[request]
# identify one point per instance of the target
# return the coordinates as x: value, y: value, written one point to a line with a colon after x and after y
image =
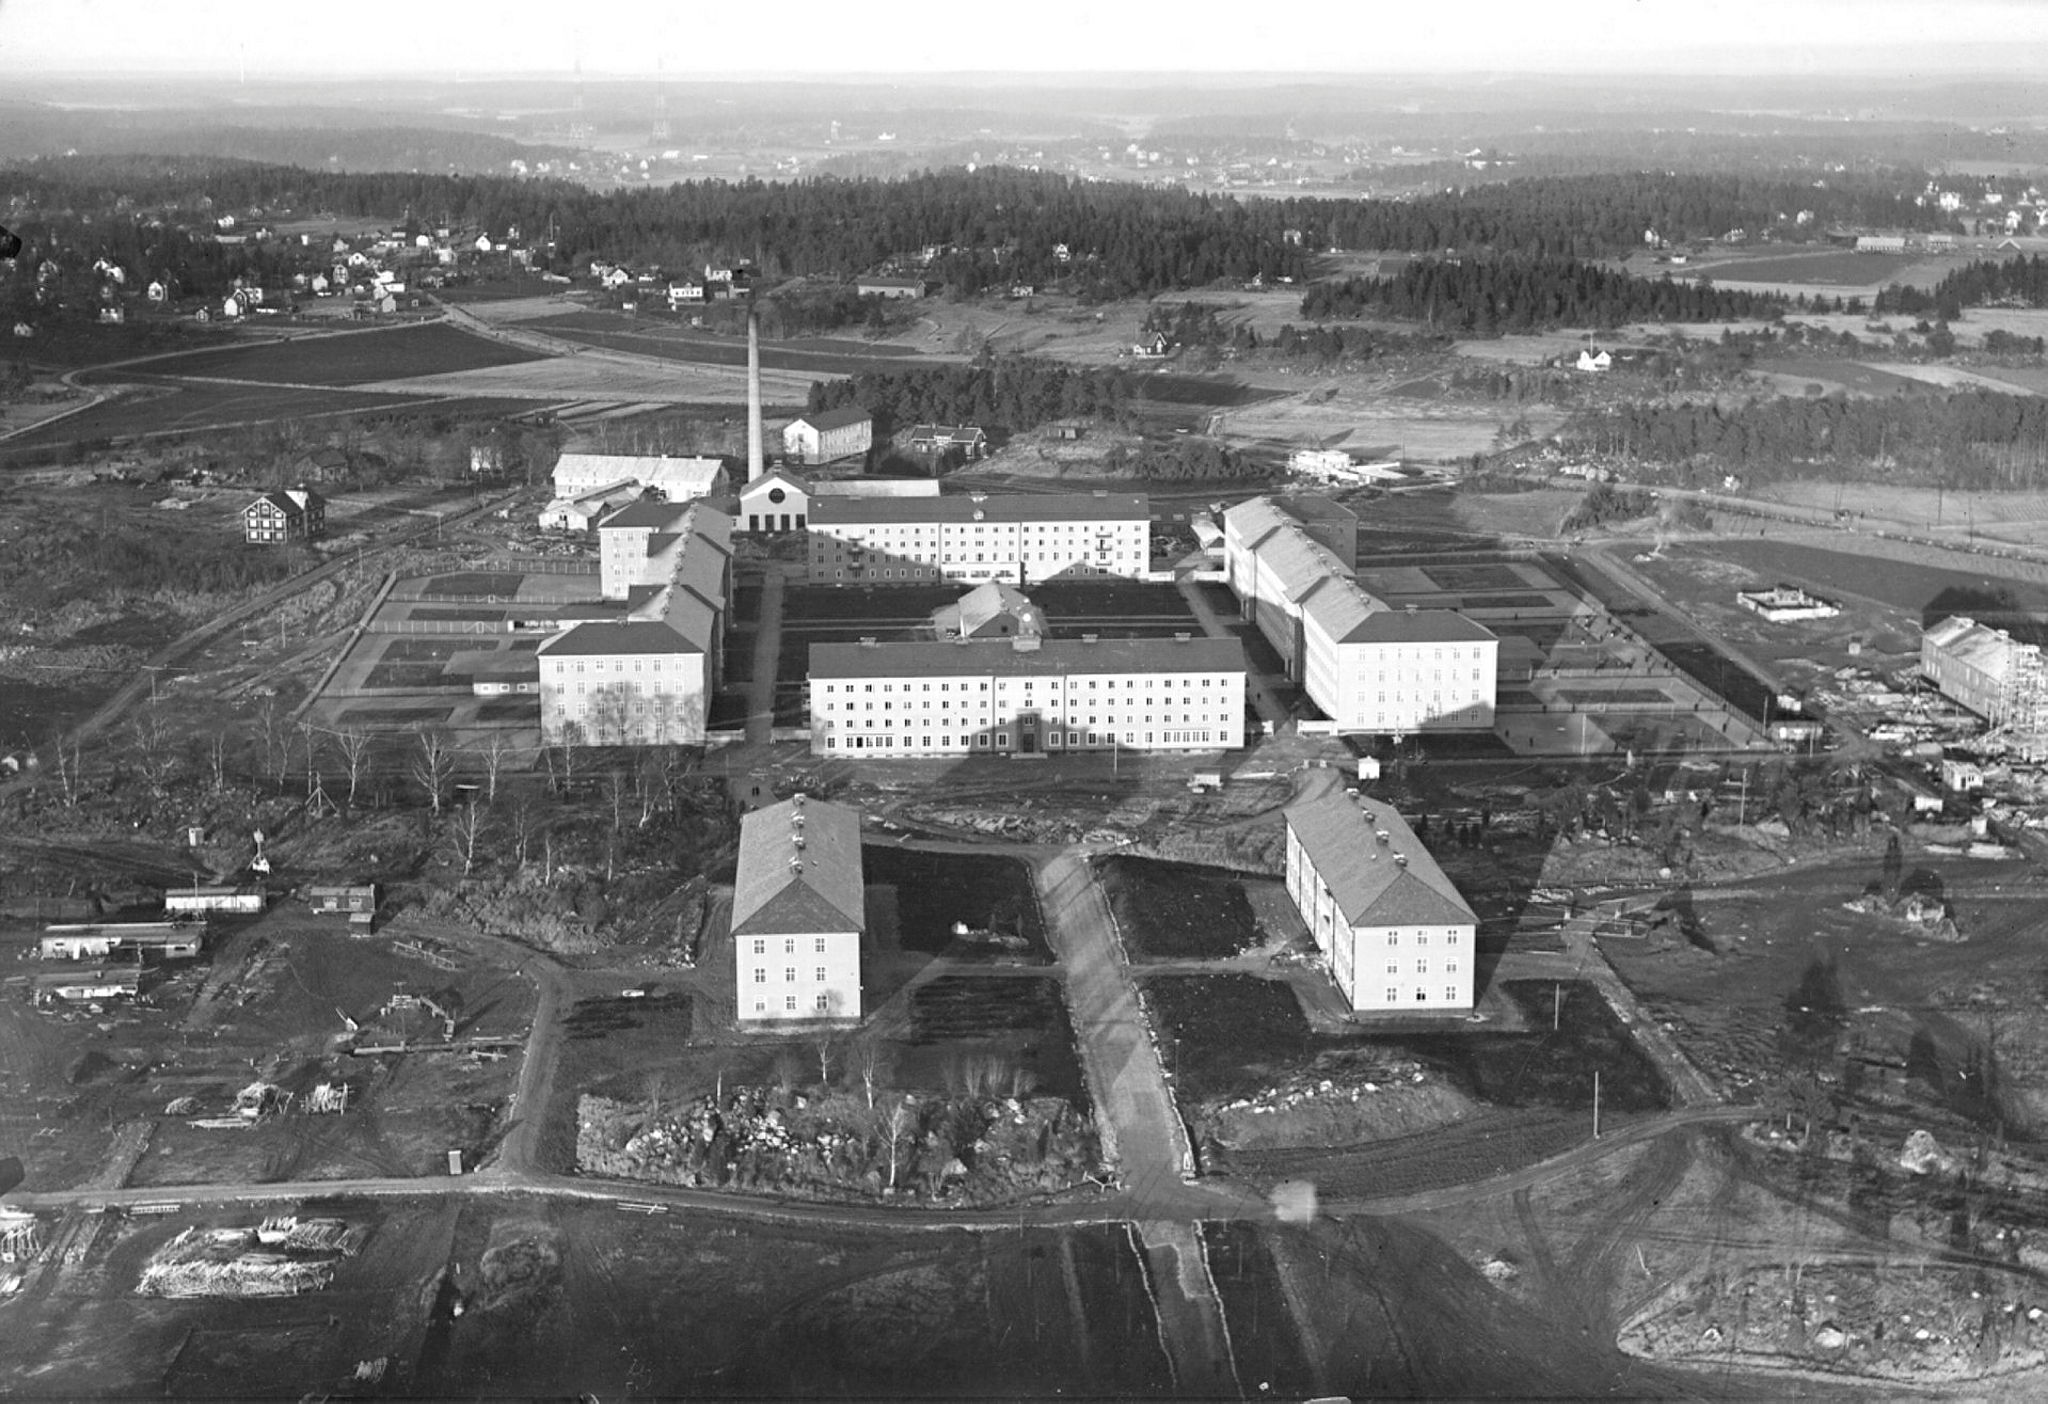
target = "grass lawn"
x: 352, y: 358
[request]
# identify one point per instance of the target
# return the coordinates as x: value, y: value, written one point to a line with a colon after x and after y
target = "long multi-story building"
x: 1026, y: 695
x: 1989, y: 671
x: 1017, y: 538
x: 1369, y: 667
x: 1396, y: 932
x: 798, y: 911
x: 644, y: 677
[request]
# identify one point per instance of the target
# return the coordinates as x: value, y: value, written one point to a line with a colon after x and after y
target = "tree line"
x: 1965, y: 438
x: 1008, y: 392
x: 2012, y: 282
x: 1491, y: 296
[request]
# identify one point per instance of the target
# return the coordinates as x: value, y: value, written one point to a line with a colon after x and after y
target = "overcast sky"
x: 804, y: 37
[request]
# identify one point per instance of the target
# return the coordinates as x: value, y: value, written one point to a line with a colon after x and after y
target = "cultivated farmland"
x: 348, y: 358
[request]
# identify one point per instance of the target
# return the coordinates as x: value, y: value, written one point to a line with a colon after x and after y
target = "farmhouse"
x: 278, y: 517
x: 829, y: 435
x: 781, y: 500
x: 991, y: 611
x: 1594, y: 361
x: 646, y: 678
x: 1019, y: 538
x: 798, y: 912
x: 1370, y: 668
x: 1027, y: 696
x: 889, y: 287
x: 1396, y: 932
x: 968, y: 439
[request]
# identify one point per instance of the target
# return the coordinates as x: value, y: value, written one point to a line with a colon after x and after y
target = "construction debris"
x: 283, y: 1257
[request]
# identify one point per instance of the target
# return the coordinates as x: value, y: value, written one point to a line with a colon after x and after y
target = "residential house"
x: 990, y: 611
x: 967, y: 439
x: 1397, y: 934
x: 299, y: 514
x: 799, y: 911
x: 829, y: 435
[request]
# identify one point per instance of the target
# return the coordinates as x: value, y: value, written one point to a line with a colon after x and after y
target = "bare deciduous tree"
x: 868, y: 1062
x: 354, y: 744
x: 465, y: 834
x: 433, y: 763
x: 497, y: 750
x: 152, y: 749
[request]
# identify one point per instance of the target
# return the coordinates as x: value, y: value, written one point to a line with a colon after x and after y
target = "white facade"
x: 798, y: 913
x: 646, y: 677
x: 1026, y: 696
x: 1396, y: 933
x: 1020, y: 539
x: 676, y: 479
x: 828, y: 435
x: 1370, y: 668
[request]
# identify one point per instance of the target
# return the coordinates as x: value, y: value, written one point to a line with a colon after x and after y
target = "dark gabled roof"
x: 648, y: 514
x: 976, y: 507
x: 275, y: 499
x: 1371, y: 882
x: 602, y: 640
x: 834, y: 419
x: 799, y: 870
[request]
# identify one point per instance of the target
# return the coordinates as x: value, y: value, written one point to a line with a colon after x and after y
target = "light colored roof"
x: 875, y: 487
x: 774, y: 478
x: 956, y: 433
x: 1978, y: 645
x: 975, y: 507
x: 975, y: 610
x: 799, y: 870
x: 835, y: 418
x: 1001, y: 658
x: 698, y: 474
x: 1339, y: 833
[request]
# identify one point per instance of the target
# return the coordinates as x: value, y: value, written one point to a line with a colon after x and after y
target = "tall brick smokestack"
x: 756, y: 465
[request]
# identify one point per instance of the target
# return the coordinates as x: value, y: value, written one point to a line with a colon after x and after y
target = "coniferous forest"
x: 1490, y: 296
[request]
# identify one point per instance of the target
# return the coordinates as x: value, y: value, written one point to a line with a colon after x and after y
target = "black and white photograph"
x: 919, y: 703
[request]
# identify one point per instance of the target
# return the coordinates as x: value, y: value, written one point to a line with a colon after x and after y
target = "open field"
x: 1929, y: 593
x: 347, y: 358
x: 817, y: 358
x: 621, y: 379
x: 1844, y: 270
x: 569, y: 1298
x: 173, y: 407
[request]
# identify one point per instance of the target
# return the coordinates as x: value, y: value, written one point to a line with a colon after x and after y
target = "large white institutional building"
x: 1018, y: 538
x: 1371, y: 668
x: 798, y: 912
x: 1396, y: 932
x: 1027, y: 695
x: 644, y: 678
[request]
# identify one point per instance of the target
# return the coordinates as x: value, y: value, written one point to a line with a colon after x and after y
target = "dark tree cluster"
x: 1967, y: 438
x: 1007, y: 392
x: 2012, y: 282
x: 1591, y: 215
x: 1491, y: 296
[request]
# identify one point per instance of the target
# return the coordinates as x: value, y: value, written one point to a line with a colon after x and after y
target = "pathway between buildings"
x: 1261, y: 695
x: 767, y: 655
x: 1142, y: 1132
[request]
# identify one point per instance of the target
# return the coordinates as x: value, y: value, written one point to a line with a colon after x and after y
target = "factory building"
x: 1020, y: 538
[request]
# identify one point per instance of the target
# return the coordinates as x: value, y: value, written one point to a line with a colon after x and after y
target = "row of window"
x: 788, y: 975
x: 1053, y: 739
x: 1052, y: 683
x: 618, y: 665
x: 822, y: 1003
x: 788, y: 946
x: 1422, y: 967
x: 1450, y: 993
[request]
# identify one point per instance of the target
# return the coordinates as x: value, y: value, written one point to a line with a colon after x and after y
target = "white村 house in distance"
x: 798, y: 912
x: 1397, y: 934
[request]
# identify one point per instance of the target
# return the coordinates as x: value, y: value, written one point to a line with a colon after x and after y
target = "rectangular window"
x: 789, y: 1001
x: 789, y: 975
x: 1392, y: 995
x: 824, y: 1004
x: 1450, y: 992
x: 760, y: 946
x: 760, y: 974
x: 821, y: 945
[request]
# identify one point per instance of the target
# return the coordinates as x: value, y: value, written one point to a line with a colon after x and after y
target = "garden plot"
x: 1177, y: 911
x: 967, y: 905
x: 1255, y: 1076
